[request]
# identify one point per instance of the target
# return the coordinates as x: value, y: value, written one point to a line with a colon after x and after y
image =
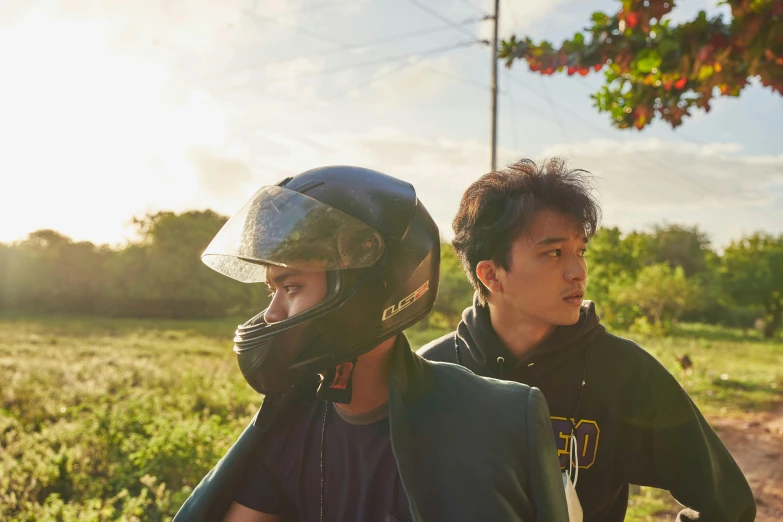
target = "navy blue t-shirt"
x: 361, y: 482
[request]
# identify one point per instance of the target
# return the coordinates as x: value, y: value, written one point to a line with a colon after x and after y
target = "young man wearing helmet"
x: 521, y: 234
x: 355, y: 426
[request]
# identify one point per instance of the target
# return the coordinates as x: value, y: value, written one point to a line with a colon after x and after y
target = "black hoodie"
x: 634, y: 422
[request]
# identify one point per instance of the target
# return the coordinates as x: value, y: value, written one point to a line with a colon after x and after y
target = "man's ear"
x: 487, y: 273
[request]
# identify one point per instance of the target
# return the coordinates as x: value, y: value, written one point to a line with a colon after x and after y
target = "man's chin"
x: 568, y: 319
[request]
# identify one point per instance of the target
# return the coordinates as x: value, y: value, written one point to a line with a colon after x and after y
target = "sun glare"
x: 89, y: 129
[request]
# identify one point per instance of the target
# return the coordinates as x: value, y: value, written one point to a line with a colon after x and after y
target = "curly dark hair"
x: 497, y: 209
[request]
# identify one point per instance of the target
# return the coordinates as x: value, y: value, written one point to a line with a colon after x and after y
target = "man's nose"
x: 577, y: 270
x: 276, y: 311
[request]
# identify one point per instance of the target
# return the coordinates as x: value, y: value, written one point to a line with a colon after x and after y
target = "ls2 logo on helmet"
x: 406, y: 301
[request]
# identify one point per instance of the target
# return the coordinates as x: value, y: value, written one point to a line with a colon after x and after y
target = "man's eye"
x: 290, y: 289
x: 555, y: 253
x: 583, y: 252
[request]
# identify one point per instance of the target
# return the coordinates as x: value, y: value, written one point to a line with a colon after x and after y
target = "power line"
x: 370, y: 83
x: 307, y: 32
x: 382, y: 60
x: 512, y: 116
x: 554, y: 108
x: 409, y: 34
x: 310, y: 8
x: 441, y: 17
x: 366, y: 63
x: 531, y: 108
x: 474, y: 6
x: 387, y: 59
x: 319, y: 6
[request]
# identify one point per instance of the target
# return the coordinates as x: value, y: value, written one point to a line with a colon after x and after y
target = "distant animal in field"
x: 685, y: 363
x: 759, y: 323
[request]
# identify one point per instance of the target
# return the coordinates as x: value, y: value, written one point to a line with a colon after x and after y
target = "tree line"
x: 643, y: 280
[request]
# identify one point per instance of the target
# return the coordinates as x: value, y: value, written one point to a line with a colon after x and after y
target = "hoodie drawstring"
x: 574, y: 420
x: 501, y: 362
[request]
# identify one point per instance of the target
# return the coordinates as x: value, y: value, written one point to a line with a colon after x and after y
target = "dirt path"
x: 756, y: 442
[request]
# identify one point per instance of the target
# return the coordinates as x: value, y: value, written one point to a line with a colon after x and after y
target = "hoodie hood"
x: 480, y: 348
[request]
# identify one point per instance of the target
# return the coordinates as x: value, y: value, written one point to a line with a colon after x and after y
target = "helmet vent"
x: 307, y: 186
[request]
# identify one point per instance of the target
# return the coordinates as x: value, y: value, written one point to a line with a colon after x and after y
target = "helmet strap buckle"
x: 337, y: 383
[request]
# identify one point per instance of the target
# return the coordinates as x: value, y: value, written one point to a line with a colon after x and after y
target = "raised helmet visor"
x: 279, y: 226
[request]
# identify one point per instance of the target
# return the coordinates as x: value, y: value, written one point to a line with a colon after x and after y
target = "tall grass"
x: 112, y: 419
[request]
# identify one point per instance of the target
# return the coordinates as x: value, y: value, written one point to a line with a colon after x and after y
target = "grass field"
x: 106, y: 419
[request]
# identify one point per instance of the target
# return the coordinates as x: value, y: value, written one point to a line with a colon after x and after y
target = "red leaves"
x: 719, y: 40
x: 663, y: 67
x: 704, y: 53
x: 641, y: 116
x: 583, y: 71
x: 769, y: 55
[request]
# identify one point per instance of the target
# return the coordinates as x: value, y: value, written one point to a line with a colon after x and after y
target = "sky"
x: 110, y: 110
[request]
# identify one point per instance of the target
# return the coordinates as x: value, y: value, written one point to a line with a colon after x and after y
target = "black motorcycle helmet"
x: 380, y: 250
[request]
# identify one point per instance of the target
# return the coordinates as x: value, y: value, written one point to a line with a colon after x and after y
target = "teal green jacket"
x: 468, y: 448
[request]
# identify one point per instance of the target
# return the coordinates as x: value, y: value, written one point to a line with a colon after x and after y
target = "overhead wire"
x: 474, y: 6
x: 512, y: 114
x: 554, y: 109
x: 309, y: 8
x: 254, y: 17
x: 379, y: 61
x: 369, y: 84
x: 406, y: 35
x: 344, y: 46
x: 387, y: 59
x: 360, y: 65
x: 441, y: 17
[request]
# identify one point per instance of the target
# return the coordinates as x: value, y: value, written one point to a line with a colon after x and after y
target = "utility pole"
x: 494, y: 139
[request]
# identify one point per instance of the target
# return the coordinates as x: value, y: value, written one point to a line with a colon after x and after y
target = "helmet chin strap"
x: 337, y: 383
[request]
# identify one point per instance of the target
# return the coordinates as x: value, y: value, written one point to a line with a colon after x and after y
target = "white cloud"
x: 412, y: 82
x: 640, y: 183
x: 516, y: 16
x: 657, y: 174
